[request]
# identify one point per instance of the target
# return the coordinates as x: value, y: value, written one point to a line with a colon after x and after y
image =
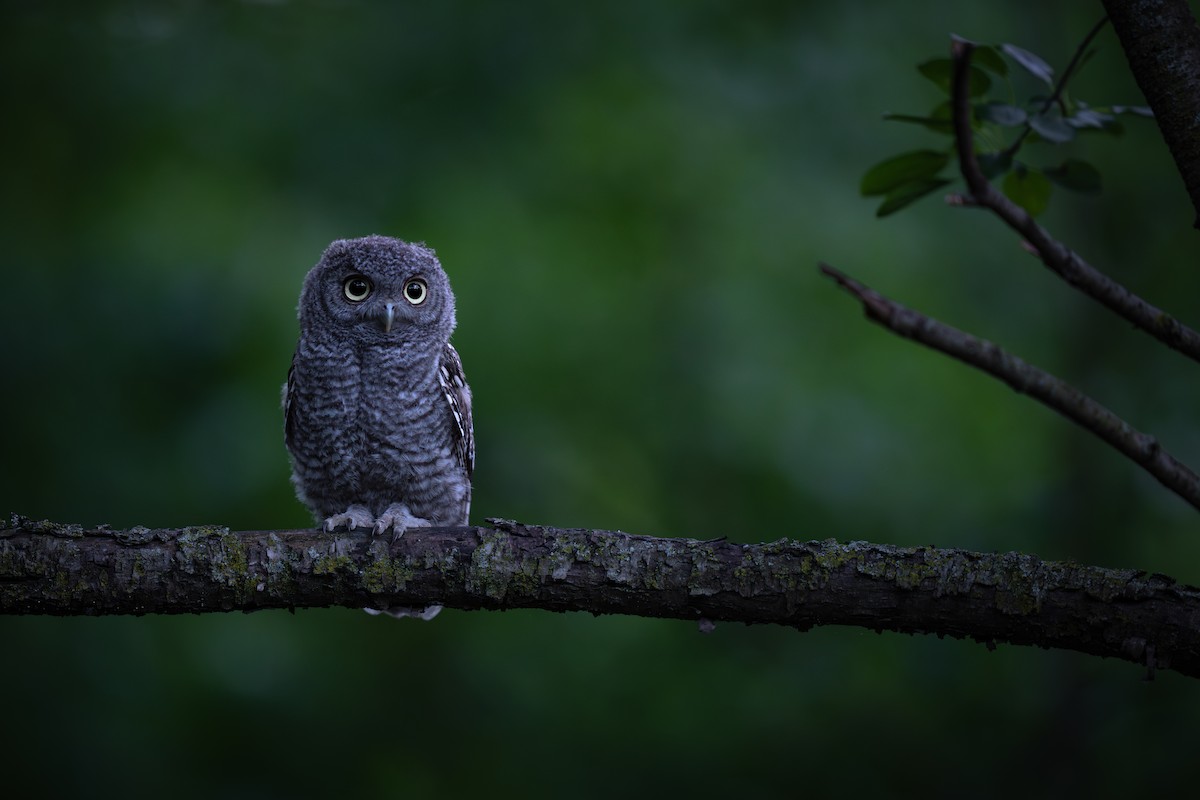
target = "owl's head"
x: 379, y: 290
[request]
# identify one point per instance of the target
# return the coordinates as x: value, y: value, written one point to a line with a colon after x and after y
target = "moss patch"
x: 219, y: 551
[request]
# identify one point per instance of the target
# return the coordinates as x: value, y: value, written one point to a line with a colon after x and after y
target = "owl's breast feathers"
x: 374, y: 422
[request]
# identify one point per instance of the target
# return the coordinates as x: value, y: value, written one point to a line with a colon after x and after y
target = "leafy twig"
x: 1060, y: 259
x: 1059, y: 86
x: 1027, y: 379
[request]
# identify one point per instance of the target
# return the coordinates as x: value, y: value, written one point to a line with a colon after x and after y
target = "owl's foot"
x: 353, y: 517
x: 399, y: 519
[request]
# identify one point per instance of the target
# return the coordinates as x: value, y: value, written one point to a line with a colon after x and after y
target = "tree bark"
x: 48, y: 568
x: 1162, y: 42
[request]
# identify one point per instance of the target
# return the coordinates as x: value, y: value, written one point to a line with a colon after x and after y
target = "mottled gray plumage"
x: 377, y: 411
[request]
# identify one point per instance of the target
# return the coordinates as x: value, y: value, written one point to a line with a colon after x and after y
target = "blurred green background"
x: 630, y: 198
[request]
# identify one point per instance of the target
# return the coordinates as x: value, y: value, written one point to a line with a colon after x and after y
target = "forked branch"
x: 1058, y: 257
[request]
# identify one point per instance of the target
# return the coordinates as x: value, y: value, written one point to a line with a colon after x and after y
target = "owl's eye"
x: 357, y: 288
x: 415, y: 291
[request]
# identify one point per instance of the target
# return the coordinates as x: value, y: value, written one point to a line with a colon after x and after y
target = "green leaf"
x: 940, y: 71
x: 1112, y: 127
x: 1002, y: 114
x: 1028, y: 188
x: 907, y: 194
x: 1099, y: 118
x: 1032, y: 62
x: 993, y: 164
x: 1089, y: 118
x: 987, y: 58
x: 1076, y: 175
x: 905, y: 168
x: 938, y: 121
x: 935, y: 125
x: 1141, y: 111
x: 1051, y: 126
x: 984, y: 56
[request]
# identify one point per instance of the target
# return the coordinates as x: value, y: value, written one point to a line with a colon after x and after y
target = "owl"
x: 377, y: 412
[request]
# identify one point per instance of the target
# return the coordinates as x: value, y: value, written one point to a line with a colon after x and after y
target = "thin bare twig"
x: 1058, y: 257
x: 1073, y: 64
x: 1027, y: 379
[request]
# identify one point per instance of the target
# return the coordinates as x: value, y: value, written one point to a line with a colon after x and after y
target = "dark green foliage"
x: 1001, y: 113
x: 1002, y: 129
x: 1028, y: 188
x: 899, y: 170
x: 904, y: 179
x: 939, y: 70
x: 1051, y: 125
x: 1034, y: 64
x: 938, y: 120
x: 989, y: 59
x: 908, y: 193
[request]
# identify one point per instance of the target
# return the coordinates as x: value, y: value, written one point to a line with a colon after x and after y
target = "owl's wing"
x: 458, y: 395
x: 289, y: 425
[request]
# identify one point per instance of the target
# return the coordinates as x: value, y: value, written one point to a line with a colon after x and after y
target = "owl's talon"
x: 353, y: 517
x: 399, y: 519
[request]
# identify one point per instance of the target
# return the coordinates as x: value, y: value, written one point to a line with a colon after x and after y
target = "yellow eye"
x: 415, y: 291
x: 357, y: 288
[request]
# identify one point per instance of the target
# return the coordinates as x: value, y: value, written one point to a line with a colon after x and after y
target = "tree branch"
x: 1027, y: 379
x: 1162, y: 42
x: 1055, y: 255
x: 47, y: 568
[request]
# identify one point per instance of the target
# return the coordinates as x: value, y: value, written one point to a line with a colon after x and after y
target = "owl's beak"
x: 389, y: 317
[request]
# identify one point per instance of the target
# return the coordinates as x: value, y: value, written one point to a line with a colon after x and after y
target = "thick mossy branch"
x: 48, y: 568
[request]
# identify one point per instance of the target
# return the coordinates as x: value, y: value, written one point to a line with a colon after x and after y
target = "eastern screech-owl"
x: 377, y: 411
